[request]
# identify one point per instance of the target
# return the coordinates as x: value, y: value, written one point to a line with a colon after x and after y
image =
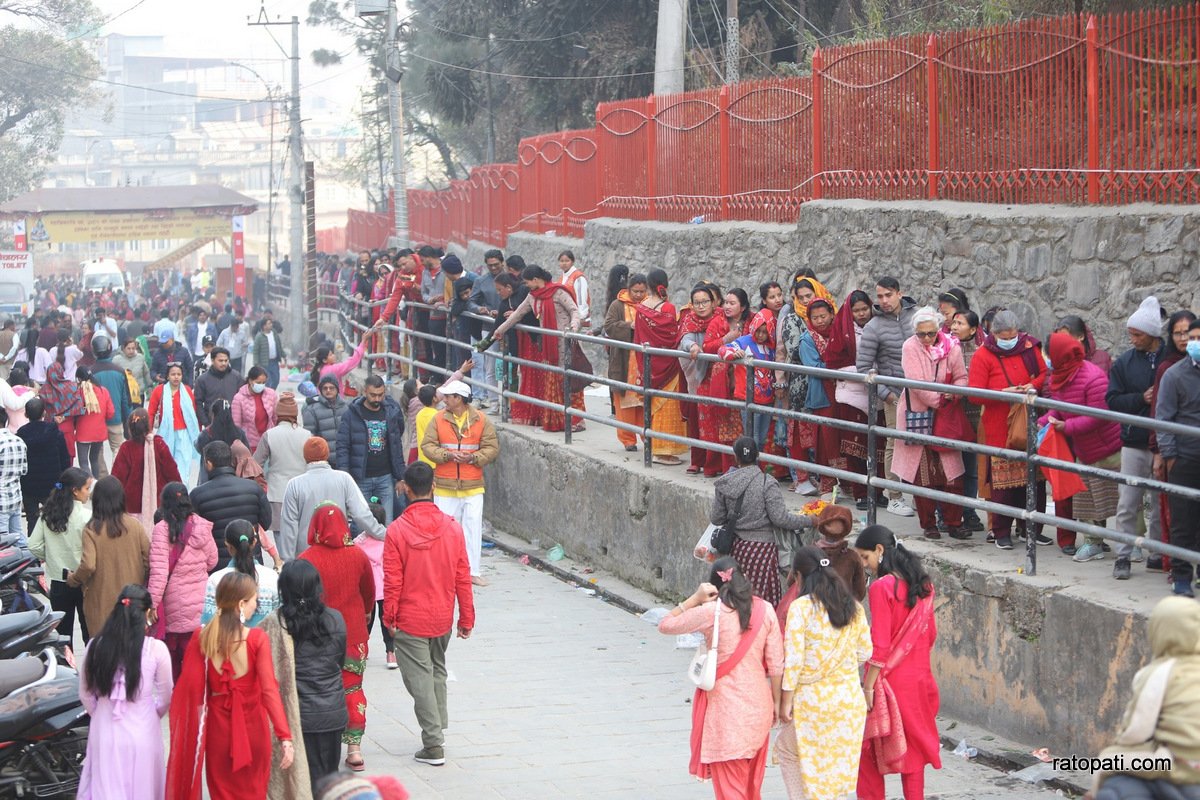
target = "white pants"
x: 469, y: 513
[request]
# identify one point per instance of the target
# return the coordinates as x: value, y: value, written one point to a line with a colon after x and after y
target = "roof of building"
x: 104, y: 199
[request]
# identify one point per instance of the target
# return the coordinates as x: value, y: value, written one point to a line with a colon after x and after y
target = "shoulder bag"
x: 919, y: 421
x: 703, y: 669
x: 1018, y: 420
x: 723, y: 538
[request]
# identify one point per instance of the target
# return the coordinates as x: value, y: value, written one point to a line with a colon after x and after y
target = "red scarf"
x: 843, y: 340
x: 1066, y: 355
x: 547, y: 315
x: 658, y: 327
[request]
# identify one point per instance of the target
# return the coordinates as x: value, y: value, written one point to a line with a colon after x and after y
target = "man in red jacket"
x: 425, y: 570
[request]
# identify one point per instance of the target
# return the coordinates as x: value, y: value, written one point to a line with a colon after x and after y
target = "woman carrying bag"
x: 731, y: 723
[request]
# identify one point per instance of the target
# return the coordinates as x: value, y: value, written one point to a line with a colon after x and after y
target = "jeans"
x: 272, y: 368
x: 1184, y: 513
x: 1127, y: 787
x: 970, y: 482
x: 756, y: 426
x: 385, y: 634
x: 437, y: 327
x: 1139, y: 463
x: 91, y: 458
x: 485, y: 373
x: 383, y: 487
x: 10, y: 522
x: 68, y: 600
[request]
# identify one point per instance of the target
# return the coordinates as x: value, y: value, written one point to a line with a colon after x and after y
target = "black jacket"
x: 212, y: 386
x: 47, y: 454
x: 321, y: 418
x: 1128, y: 379
x: 225, y: 497
x: 352, y: 439
x: 319, y: 677
x: 158, y: 365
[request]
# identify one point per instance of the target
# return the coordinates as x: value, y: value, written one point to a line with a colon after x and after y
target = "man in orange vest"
x: 460, y: 441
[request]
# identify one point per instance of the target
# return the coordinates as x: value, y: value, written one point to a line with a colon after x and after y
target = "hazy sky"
x: 217, y: 28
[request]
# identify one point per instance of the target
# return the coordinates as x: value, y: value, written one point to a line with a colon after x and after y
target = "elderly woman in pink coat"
x: 182, y: 552
x: 933, y: 356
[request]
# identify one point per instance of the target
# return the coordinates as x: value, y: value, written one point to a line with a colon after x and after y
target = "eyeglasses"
x: 929, y: 335
x: 705, y: 302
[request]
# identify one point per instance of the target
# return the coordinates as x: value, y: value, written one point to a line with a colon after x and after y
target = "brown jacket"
x: 618, y: 327
x: 431, y: 446
x: 107, y: 566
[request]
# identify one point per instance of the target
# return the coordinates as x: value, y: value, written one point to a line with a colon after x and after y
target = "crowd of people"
x: 231, y: 560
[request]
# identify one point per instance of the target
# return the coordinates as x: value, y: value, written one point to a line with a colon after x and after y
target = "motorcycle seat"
x: 19, y: 672
x: 13, y: 624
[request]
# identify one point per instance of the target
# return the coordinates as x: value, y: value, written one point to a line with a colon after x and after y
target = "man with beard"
x: 220, y: 382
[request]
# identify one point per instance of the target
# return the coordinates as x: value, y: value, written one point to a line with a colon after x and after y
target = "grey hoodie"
x: 882, y: 345
x: 763, y: 508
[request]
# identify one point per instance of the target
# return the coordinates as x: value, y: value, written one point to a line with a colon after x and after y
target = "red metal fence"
x: 1074, y: 109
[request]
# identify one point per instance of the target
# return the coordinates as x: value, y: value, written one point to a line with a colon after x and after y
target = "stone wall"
x: 1043, y: 262
x: 1012, y: 651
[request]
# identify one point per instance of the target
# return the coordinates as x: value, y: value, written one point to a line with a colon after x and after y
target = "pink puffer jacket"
x: 184, y: 588
x: 1091, y: 439
x: 242, y: 408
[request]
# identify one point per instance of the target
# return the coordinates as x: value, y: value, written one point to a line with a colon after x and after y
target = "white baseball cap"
x: 456, y: 387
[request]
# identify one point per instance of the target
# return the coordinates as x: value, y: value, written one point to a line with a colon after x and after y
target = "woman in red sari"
x: 554, y: 305
x: 349, y: 582
x: 657, y: 325
x: 694, y: 320
x: 225, y: 695
x: 720, y: 424
x: 841, y: 353
x: 902, y: 696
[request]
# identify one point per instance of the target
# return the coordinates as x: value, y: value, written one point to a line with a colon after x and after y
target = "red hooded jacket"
x: 425, y: 569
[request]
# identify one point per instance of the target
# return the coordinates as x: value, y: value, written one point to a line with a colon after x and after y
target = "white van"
x: 102, y: 273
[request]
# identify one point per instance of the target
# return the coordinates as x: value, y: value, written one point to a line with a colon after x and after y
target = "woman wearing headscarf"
x: 64, y: 402
x: 144, y: 466
x: 1094, y: 441
x: 720, y: 424
x: 172, y: 410
x: 1009, y: 361
x: 841, y: 353
x: 694, y: 320
x: 810, y: 440
x: 933, y: 356
x: 1162, y: 719
x: 758, y: 343
x: 657, y: 324
x: 350, y: 590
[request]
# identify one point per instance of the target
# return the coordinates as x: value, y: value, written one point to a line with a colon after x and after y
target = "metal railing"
x: 1034, y: 405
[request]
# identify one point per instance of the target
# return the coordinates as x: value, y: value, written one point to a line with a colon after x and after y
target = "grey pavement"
x: 559, y: 694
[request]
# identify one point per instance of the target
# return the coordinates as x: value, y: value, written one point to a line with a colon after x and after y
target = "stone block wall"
x: 1043, y: 262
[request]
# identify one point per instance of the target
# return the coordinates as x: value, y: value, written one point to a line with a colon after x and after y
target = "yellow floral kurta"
x: 821, y: 665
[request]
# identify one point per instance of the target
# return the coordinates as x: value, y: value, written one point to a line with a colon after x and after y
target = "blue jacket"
x: 158, y: 365
x: 112, y: 378
x: 48, y: 457
x: 352, y: 439
x: 816, y: 399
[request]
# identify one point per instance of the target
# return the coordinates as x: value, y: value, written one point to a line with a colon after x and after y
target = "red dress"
x: 236, y: 750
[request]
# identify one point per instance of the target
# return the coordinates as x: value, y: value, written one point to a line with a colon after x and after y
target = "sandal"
x: 670, y: 461
x: 358, y: 765
x: 694, y: 470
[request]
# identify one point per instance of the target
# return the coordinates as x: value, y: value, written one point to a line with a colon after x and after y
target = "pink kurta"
x: 912, y: 679
x: 741, y: 708
x: 918, y: 366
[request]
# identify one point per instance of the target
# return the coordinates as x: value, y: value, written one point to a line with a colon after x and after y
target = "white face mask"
x: 257, y: 388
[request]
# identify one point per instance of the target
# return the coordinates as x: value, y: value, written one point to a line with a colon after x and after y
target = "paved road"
x: 560, y: 695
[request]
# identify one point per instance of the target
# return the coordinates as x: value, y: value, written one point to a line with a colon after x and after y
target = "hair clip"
x: 726, y: 575
x: 125, y: 601
x: 58, y: 484
x: 824, y: 562
x: 243, y: 538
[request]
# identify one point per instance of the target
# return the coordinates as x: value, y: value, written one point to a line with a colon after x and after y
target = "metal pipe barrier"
x: 1033, y: 403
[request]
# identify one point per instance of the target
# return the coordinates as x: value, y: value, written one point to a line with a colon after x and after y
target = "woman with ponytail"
x: 240, y: 541
x: 125, y: 684
x: 115, y: 553
x: 822, y: 707
x: 731, y: 723
x: 226, y: 694
x: 657, y: 324
x: 555, y: 308
x: 57, y: 540
x: 182, y: 552
x: 899, y: 682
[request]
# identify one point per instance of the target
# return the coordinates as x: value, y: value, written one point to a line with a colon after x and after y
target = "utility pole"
x: 396, y: 112
x: 669, y: 46
x: 491, y: 140
x: 733, y: 41
x: 296, y: 303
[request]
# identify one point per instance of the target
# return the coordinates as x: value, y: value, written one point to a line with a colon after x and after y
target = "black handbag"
x: 724, y: 537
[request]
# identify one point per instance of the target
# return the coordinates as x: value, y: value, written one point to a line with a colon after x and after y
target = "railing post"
x: 931, y: 65
x: 503, y: 382
x: 1093, y: 111
x: 818, y: 134
x: 872, y: 437
x: 564, y: 361
x: 647, y: 442
x: 723, y: 145
x: 748, y: 418
x: 651, y: 159
x: 1031, y: 472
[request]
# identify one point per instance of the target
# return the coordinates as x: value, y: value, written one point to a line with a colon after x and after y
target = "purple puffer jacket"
x: 1091, y: 439
x: 184, y: 588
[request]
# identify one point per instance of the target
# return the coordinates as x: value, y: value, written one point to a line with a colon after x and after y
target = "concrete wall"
x: 1026, y: 658
x: 1043, y: 262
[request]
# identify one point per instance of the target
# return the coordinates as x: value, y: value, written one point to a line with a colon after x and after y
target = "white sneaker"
x: 900, y: 508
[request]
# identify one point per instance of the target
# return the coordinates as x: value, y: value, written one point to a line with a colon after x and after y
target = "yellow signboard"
x: 82, y: 227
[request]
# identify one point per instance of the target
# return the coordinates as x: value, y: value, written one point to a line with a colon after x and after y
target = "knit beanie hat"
x: 451, y: 265
x: 328, y: 379
x: 829, y: 518
x: 286, y: 408
x: 316, y: 449
x: 1148, y: 318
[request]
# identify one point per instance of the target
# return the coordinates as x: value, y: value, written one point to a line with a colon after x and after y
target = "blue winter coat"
x: 112, y: 378
x: 352, y: 439
x: 816, y: 399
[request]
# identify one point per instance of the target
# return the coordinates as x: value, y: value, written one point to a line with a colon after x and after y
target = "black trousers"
x: 1184, y: 514
x: 377, y: 613
x: 68, y: 600
x: 324, y: 751
x: 437, y: 327
x: 33, y: 510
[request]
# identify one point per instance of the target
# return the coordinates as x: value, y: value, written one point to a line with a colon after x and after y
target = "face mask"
x: 257, y: 388
x: 1193, y: 350
x: 1049, y: 364
x: 1006, y: 344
